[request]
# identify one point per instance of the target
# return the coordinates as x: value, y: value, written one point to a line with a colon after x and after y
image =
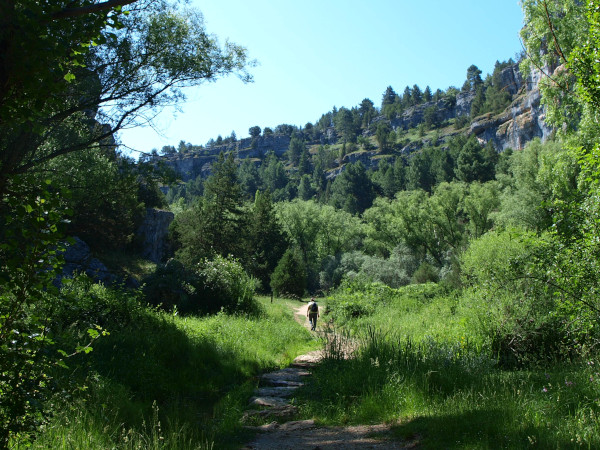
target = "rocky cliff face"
x: 79, y: 259
x: 154, y: 232
x: 445, y: 110
x: 153, y: 235
x: 513, y: 128
x: 521, y: 122
x: 190, y: 165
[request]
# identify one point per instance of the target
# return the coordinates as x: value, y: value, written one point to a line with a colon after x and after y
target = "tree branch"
x: 551, y: 26
x: 83, y: 10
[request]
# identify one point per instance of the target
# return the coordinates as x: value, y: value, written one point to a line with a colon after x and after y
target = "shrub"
x: 425, y: 273
x: 357, y: 298
x: 84, y: 304
x: 331, y: 273
x: 225, y: 285
x: 213, y: 285
x: 509, y: 298
x: 394, y: 271
x: 170, y: 285
x: 385, y: 271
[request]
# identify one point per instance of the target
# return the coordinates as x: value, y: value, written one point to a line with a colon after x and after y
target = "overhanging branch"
x: 84, y: 10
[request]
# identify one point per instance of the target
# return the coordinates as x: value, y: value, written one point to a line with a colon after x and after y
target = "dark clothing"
x: 313, y: 315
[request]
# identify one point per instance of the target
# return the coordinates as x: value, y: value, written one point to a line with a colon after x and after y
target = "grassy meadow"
x: 422, y: 364
x: 163, y: 381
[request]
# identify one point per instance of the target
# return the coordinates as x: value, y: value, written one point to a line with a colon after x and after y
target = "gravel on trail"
x: 272, y: 401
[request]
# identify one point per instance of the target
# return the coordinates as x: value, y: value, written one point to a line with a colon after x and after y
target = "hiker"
x: 312, y: 312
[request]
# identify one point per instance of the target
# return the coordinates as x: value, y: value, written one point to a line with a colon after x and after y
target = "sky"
x: 317, y: 54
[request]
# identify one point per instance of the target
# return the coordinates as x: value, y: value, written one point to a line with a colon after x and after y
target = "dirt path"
x: 305, y: 434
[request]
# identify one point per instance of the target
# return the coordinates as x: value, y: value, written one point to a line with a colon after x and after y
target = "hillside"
x: 429, y: 123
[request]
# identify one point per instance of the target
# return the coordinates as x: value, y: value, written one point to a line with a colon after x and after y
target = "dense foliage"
x: 73, y: 73
x: 439, y: 231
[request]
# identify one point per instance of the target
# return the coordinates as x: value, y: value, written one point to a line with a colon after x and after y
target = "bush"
x: 394, y: 271
x: 225, y: 285
x: 357, y: 298
x: 385, y: 271
x: 289, y: 277
x: 214, y: 285
x: 331, y: 273
x: 426, y: 273
x: 509, y: 299
x: 85, y: 304
x: 170, y: 285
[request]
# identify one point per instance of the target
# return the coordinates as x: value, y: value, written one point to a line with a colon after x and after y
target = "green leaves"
x: 553, y: 30
x: 30, y: 258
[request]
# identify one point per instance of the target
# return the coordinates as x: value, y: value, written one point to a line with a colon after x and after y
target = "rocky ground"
x: 271, y: 400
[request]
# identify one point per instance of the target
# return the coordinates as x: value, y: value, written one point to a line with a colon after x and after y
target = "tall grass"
x: 163, y: 381
x: 420, y: 366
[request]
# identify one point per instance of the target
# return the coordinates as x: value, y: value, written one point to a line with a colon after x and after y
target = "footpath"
x: 272, y: 401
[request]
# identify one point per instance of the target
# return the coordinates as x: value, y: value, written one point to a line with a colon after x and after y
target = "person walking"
x: 312, y: 312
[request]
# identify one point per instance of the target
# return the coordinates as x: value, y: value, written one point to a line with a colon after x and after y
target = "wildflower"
x: 544, y: 389
x: 569, y: 383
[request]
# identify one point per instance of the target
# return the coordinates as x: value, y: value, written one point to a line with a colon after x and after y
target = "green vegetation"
x: 465, y: 281
x: 160, y: 380
x: 423, y: 364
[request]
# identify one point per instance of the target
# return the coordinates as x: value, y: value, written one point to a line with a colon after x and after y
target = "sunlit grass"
x: 421, y: 367
x: 172, y: 382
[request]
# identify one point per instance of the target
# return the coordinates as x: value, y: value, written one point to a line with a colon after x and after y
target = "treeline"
x: 351, y: 125
x: 305, y: 175
x: 399, y: 224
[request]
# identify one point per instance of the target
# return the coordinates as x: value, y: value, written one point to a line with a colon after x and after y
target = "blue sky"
x: 314, y: 55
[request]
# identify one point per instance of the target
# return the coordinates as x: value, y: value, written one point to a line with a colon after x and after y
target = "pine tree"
x: 304, y: 163
x: 427, y: 95
x: 289, y: 277
x: 266, y: 242
x: 417, y: 95
x: 352, y: 190
x: 295, y: 150
x: 471, y: 164
x: 223, y: 213
x: 305, y: 190
x: 388, y: 98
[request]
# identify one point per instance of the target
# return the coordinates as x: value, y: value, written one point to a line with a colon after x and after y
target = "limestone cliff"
x: 189, y: 165
x: 153, y: 234
x: 518, y: 124
x: 521, y: 122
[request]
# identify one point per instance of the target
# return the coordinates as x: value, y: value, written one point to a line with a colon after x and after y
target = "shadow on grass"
x: 447, y: 395
x: 479, y: 428
x: 149, y: 365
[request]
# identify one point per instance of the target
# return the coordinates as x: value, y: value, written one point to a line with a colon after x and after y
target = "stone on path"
x: 274, y: 397
x: 276, y: 412
x: 268, y: 401
x: 285, y: 383
x: 287, y: 374
x: 276, y: 391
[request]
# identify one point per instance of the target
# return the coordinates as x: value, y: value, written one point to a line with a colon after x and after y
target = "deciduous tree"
x: 91, y: 70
